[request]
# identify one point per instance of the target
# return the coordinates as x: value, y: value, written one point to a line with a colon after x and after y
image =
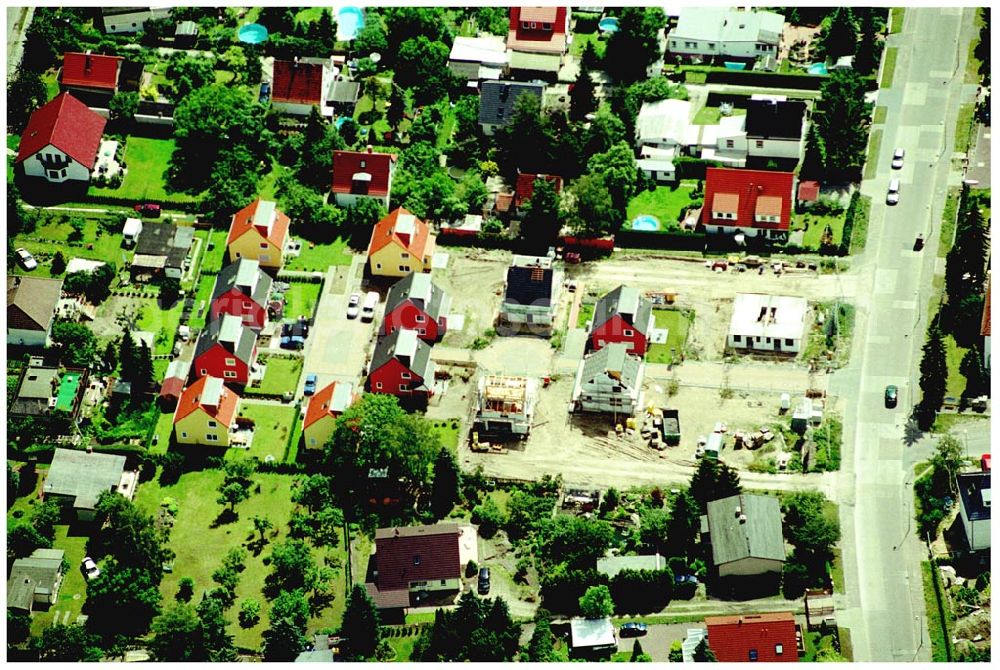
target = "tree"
x: 638, y: 655
x: 434, y: 197
x: 58, y: 263
x: 472, y: 192
x: 123, y: 599
x: 94, y: 285
x: 405, y: 23
x: 843, y: 119
x: 232, y: 494
x: 360, y: 625
x: 19, y: 219
x: 676, y: 654
x: 684, y: 524
x: 592, y: 211
x: 540, y: 646
x: 967, y: 320
x: 642, y: 590
x: 77, y: 343
x: 582, y: 97
x: 177, y: 635
x: 605, y: 131
x: 291, y: 562
x: 261, y: 524
x: 249, y: 613
x: 713, y: 480
x: 525, y: 142
x: 124, y: 105
x: 185, y: 589
x: 444, y: 493
x: 840, y: 34
x: 948, y: 457
x: 653, y: 525
x: 422, y: 66
x: 574, y: 541
x: 541, y: 224
x: 235, y: 59
x: 814, y: 162
x: 703, y: 653
x: 128, y: 354
x: 142, y: 377
x: 977, y: 377
x: 869, y: 46
x: 128, y: 534
x: 188, y: 73
x: 477, y: 630
x: 596, y: 602
x: 25, y: 93
x: 285, y: 638
x: 806, y: 526
x: 618, y: 169
x: 372, y: 37
x: 216, y: 640
x: 966, y: 261
x: 170, y: 291
x: 67, y: 644
x: 44, y: 518
x: 22, y: 539
x: 315, y: 165
x: 933, y: 376
x: 635, y: 45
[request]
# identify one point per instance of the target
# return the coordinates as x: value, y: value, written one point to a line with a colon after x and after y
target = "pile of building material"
x: 661, y: 427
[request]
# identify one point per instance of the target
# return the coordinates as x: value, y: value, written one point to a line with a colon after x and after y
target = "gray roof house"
x: 531, y: 296
x: 343, y: 95
x: 974, y: 507
x: 636, y: 314
x: 162, y: 248
x: 246, y: 277
x: 609, y: 380
x: 497, y: 100
x: 745, y: 533
x: 35, y: 579
x: 401, y: 365
x: 31, y: 308
x: 78, y: 478
x: 425, y: 296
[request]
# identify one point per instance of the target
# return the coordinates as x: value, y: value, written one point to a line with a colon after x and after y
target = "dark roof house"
x: 35, y: 579
x: 413, y: 554
x: 775, y: 119
x: 246, y: 277
x: 497, y: 100
x: 417, y: 288
x: 529, y: 283
x: 746, y: 534
x: 627, y: 303
x: 31, y: 306
x: 234, y: 337
x: 162, y: 247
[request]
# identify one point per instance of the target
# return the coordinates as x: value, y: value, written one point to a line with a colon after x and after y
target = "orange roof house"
x: 259, y: 232
x: 322, y: 412
x: 400, y: 244
x: 205, y: 413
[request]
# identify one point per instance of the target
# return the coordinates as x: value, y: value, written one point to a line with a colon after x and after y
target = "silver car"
x: 892, y: 197
x: 897, y: 159
x: 352, y: 306
x: 25, y: 258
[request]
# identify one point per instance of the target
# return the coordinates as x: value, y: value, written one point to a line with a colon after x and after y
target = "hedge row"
x: 849, y: 218
x: 301, y: 279
x: 183, y: 205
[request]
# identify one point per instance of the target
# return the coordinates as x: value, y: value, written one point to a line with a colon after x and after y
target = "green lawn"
x: 309, y: 15
x: 880, y: 113
x: 269, y: 184
x: 282, y: 375
x: 301, y: 299
x: 447, y: 431
x: 147, y: 161
x: 202, y: 296
x: 709, y: 116
x: 972, y: 64
x: 665, y: 203
x: 936, y: 623
x: 164, y: 429
x: 837, y: 568
x: 964, y: 126
x: 55, y: 233
x: 215, y: 254
x: 874, y: 146
x: 51, y: 84
x: 200, y: 545
x: 814, y: 225
x: 403, y: 646
x: 889, y: 68
x: 73, y: 592
x: 319, y: 257
x: 677, y: 322
x: 954, y: 354
x: 586, y: 314
x: 896, y: 19
x: 580, y: 41
x: 948, y: 221
x: 272, y: 425
x: 162, y: 322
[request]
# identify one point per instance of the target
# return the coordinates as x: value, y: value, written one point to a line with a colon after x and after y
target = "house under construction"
x: 505, y: 407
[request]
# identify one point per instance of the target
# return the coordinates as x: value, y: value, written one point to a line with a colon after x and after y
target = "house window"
x: 183, y: 434
x: 247, y: 306
x: 404, y: 268
x: 204, y: 371
x: 416, y: 560
x: 405, y: 375
x: 62, y: 173
x: 628, y: 333
x: 753, y: 654
x: 213, y: 424
x: 264, y: 258
x: 546, y: 26
x: 231, y: 362
x: 788, y: 342
x: 779, y: 649
x: 767, y: 340
x: 419, y: 318
x: 403, y: 388
x: 691, y: 45
x: 730, y: 144
x: 229, y: 374
x: 378, y: 385
x: 404, y: 255
x: 263, y: 245
x: 363, y: 162
x: 760, y: 144
x: 378, y: 266
x: 444, y: 582
x: 237, y: 254
x: 736, y: 338
x: 421, y: 331
x: 212, y: 437
x: 711, y: 45
x: 312, y: 440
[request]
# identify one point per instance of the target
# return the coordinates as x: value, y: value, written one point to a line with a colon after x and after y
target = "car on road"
x: 352, y: 305
x: 310, y: 387
x: 90, y: 568
x: 892, y: 197
x: 148, y: 209
x: 368, y: 309
x: 484, y: 581
x: 25, y: 258
x: 632, y: 629
x: 897, y: 159
x: 891, y: 396
x: 293, y: 335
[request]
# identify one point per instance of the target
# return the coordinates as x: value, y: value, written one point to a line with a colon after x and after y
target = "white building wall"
x: 976, y: 532
x: 689, y: 47
x: 292, y: 108
x: 133, y: 23
x: 74, y: 170
x: 749, y: 566
x: 770, y: 148
x: 763, y: 343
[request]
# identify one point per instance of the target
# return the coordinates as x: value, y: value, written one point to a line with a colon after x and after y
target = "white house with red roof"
x: 61, y: 140
x: 362, y: 174
x: 751, y: 202
x: 538, y: 38
x: 299, y: 85
x: 89, y: 73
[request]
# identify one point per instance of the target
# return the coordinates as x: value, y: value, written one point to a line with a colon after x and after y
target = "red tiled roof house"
x: 400, y: 244
x: 89, y: 73
x: 752, y: 202
x: 536, y: 38
x: 525, y: 187
x: 259, y: 232
x: 61, y: 140
x: 301, y: 84
x: 624, y: 316
x: 416, y: 303
x: 362, y: 174
x: 205, y: 413
x: 416, y: 563
x: 742, y: 638
x: 321, y: 414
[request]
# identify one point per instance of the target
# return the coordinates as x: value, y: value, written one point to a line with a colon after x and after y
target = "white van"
x: 368, y: 308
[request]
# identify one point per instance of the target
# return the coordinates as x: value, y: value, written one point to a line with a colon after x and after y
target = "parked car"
x: 897, y: 159
x: 891, y: 396
x: 90, y: 568
x: 632, y: 629
x: 484, y: 581
x: 892, y: 197
x: 25, y: 258
x: 684, y: 580
x: 310, y: 387
x: 352, y: 305
x: 918, y: 244
x: 368, y: 309
x: 148, y: 209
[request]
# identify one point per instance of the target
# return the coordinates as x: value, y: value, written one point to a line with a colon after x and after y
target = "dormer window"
x: 779, y: 649
x: 753, y: 654
x: 546, y: 26
x: 416, y: 559
x: 363, y: 161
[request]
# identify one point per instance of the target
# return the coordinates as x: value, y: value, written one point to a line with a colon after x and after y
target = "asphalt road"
x: 884, y: 605
x: 18, y: 20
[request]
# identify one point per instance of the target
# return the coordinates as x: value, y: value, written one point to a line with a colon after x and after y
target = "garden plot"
x: 474, y: 280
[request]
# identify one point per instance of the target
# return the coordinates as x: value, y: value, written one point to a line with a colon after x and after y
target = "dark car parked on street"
x: 484, y: 581
x: 632, y: 629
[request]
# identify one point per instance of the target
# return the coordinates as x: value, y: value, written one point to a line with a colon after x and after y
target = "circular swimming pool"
x: 350, y: 21
x: 645, y: 222
x: 252, y: 33
x: 608, y: 24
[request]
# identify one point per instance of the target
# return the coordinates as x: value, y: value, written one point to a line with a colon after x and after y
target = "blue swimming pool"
x: 645, y: 222
x: 252, y: 33
x: 350, y: 21
x: 818, y: 68
x: 608, y: 24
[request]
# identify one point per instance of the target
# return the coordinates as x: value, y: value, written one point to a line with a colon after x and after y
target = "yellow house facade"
x: 400, y: 244
x: 205, y: 413
x: 259, y: 232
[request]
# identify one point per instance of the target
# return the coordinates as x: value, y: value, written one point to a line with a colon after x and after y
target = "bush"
x: 489, y: 517
x: 471, y: 569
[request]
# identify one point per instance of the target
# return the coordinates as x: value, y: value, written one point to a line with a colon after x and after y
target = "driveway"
x: 656, y: 642
x: 337, y: 346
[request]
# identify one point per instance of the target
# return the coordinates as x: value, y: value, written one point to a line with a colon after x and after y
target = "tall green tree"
x: 188, y: 73
x: 596, y: 602
x: 806, y: 525
x: 216, y: 640
x: 25, y: 93
x: 839, y: 36
x: 285, y: 638
x: 592, y: 211
x: 541, y: 224
x: 540, y: 648
x: 582, y: 98
x: 976, y: 375
x: 703, y: 653
x: 635, y: 45
x: 123, y: 599
x: 177, y: 635
x: 124, y: 105
x: 67, y: 644
x: 618, y: 169
x: 869, y: 45
x: 713, y: 480
x: 360, y: 625
x: 447, y: 478
x: 525, y: 143
x: 422, y: 66
x: 77, y: 343
x: 933, y: 376
x: 948, y: 457
x: 682, y: 530
x: 638, y: 655
x: 814, y: 161
x: 843, y: 120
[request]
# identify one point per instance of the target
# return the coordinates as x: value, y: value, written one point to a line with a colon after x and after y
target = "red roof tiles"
x: 416, y: 553
x: 525, y: 187
x: 809, y: 191
x: 766, y: 638
x: 521, y: 36
x: 192, y: 397
x: 68, y: 125
x: 243, y: 223
x: 752, y: 192
x: 297, y: 83
x: 319, y: 405
x: 385, y: 232
x: 346, y: 164
x: 91, y: 70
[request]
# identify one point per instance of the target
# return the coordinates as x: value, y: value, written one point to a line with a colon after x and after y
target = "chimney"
x: 760, y: 188
x: 395, y: 532
x: 369, y: 148
x: 739, y: 511
x: 743, y: 518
